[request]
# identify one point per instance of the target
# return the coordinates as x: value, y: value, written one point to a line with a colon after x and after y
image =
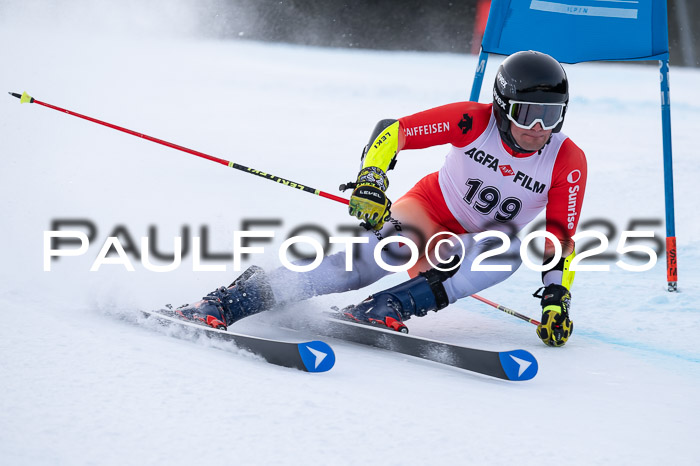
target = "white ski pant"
x: 331, y: 275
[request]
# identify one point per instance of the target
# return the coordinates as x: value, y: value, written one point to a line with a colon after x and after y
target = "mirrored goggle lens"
x: 526, y: 115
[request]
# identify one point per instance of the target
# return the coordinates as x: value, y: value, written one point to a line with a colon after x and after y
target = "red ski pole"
x: 506, y: 310
x: 26, y: 98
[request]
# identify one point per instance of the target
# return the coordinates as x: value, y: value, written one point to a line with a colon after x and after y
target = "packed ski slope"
x: 80, y: 383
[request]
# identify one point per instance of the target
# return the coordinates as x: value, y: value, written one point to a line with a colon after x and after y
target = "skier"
x: 508, y: 160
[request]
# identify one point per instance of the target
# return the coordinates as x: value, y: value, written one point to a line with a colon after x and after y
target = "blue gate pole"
x: 479, y: 75
x: 671, y: 258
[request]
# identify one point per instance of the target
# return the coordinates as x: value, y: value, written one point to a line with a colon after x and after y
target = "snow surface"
x: 80, y: 383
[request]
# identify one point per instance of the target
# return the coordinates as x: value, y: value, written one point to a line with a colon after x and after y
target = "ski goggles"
x: 526, y: 115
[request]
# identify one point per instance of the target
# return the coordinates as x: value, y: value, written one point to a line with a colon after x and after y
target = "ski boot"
x: 392, y: 307
x: 249, y: 294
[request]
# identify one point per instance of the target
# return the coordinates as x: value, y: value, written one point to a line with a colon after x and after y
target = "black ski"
x: 309, y: 356
x: 509, y: 365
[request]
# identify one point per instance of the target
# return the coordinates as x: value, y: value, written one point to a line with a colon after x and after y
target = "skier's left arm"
x: 564, y: 203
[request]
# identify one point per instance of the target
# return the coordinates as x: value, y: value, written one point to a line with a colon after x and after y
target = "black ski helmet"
x: 527, y: 76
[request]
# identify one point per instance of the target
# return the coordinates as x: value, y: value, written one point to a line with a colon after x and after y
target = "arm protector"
x: 560, y: 274
x: 383, y: 146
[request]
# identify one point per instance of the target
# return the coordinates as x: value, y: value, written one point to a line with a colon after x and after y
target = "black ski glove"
x: 556, y: 328
x: 368, y: 201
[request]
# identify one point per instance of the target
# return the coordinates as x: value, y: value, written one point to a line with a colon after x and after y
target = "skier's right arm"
x: 457, y: 124
x: 368, y: 201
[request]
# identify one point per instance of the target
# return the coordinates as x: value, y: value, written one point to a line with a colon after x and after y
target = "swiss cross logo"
x: 506, y: 170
